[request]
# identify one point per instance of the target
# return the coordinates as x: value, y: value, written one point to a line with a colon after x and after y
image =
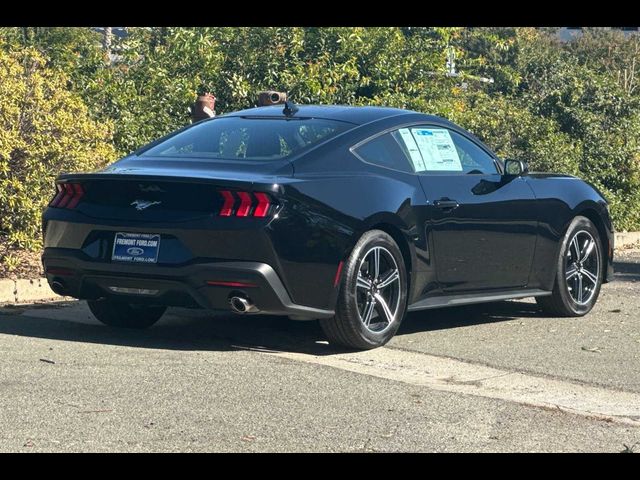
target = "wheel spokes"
x: 579, y: 291
x: 368, y: 310
x: 590, y: 276
x: 376, y: 263
x: 576, y: 247
x: 389, y: 278
x: 583, y: 267
x: 587, y: 250
x: 572, y: 272
x: 362, y: 282
x: 378, y: 289
x: 386, y: 312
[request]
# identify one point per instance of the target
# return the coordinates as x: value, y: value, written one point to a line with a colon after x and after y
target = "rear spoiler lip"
x: 270, y: 182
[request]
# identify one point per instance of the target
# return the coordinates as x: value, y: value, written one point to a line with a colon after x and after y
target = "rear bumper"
x: 84, y: 278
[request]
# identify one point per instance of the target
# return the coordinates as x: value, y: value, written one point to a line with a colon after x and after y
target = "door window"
x: 443, y: 151
x: 427, y: 149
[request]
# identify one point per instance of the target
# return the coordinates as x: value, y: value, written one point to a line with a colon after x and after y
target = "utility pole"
x: 451, y: 72
x: 106, y: 42
x: 451, y: 62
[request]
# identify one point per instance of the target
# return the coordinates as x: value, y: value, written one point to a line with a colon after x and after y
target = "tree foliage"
x: 570, y: 107
x: 45, y: 130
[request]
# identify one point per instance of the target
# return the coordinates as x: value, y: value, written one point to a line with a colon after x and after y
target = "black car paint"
x: 504, y: 236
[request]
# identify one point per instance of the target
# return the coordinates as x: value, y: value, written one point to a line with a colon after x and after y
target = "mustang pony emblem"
x: 142, y: 204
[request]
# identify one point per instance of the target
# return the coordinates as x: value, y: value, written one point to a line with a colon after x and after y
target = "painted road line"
x: 456, y: 376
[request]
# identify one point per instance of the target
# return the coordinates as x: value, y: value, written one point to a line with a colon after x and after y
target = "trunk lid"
x: 165, y: 190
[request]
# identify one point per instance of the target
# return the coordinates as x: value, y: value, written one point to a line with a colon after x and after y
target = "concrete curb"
x: 28, y: 291
x: 624, y: 239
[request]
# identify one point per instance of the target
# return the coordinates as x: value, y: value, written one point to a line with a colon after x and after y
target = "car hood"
x: 543, y: 175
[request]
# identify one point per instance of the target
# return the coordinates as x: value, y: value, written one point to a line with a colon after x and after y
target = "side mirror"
x: 515, y: 167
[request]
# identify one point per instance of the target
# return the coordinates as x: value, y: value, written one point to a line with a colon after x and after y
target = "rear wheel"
x: 373, y: 294
x: 125, y: 315
x: 579, y: 272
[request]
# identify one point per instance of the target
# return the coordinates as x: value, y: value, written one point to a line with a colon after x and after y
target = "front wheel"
x: 372, y: 300
x: 125, y: 315
x: 579, y: 272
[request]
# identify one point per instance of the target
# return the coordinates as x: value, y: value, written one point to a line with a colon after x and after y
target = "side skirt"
x: 469, y: 298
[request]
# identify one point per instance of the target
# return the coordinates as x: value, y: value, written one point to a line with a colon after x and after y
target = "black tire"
x: 125, y: 315
x: 347, y: 327
x: 563, y: 302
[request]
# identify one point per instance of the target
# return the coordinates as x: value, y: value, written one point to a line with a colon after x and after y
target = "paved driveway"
x: 495, y: 377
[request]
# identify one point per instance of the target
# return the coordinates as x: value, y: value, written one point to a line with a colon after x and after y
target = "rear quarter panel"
x: 332, y: 200
x: 324, y: 215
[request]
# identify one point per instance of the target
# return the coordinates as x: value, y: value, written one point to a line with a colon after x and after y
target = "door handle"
x: 446, y: 204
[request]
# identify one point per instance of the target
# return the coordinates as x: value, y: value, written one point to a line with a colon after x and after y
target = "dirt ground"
x: 15, y: 263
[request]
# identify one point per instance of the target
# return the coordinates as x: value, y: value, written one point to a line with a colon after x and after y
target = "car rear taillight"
x: 263, y: 204
x: 245, y: 204
x: 68, y: 195
x: 229, y: 201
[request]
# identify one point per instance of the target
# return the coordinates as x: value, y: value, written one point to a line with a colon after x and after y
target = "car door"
x: 481, y: 225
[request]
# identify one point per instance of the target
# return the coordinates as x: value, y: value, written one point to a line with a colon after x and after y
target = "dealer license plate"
x: 136, y: 247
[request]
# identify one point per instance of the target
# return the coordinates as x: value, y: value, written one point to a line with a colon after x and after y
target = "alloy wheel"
x: 378, y: 290
x: 582, y: 271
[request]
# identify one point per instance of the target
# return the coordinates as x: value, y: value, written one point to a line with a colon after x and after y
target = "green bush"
x: 45, y: 130
x: 563, y: 107
x: 148, y: 91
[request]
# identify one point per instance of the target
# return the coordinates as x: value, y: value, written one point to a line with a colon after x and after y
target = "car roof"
x: 357, y: 115
x: 344, y: 113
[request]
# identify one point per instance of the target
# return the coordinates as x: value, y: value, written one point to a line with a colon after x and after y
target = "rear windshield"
x: 248, y: 138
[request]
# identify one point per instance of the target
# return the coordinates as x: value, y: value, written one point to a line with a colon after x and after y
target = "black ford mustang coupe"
x: 349, y: 215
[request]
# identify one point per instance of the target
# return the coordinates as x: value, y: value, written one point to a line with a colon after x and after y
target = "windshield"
x: 248, y: 138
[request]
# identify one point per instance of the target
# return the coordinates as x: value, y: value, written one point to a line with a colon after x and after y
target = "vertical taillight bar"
x: 252, y: 204
x: 68, y: 194
x: 58, y: 197
x: 245, y: 204
x: 263, y: 205
x: 227, y: 206
x: 78, y: 192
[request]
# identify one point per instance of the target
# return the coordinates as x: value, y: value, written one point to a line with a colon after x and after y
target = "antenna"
x: 290, y: 108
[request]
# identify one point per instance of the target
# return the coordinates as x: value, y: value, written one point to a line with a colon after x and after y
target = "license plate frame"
x: 131, y: 247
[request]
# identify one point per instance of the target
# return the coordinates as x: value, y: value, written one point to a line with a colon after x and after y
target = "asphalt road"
x: 495, y: 377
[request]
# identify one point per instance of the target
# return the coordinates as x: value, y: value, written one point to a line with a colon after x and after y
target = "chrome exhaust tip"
x: 59, y: 288
x: 242, y: 305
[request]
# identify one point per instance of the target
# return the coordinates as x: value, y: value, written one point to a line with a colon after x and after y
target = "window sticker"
x: 412, y: 147
x: 437, y: 148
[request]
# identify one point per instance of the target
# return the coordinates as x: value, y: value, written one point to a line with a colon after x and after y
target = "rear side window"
x: 248, y: 138
x: 384, y: 151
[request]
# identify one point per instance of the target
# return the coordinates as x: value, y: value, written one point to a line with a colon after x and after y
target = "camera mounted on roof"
x: 271, y: 97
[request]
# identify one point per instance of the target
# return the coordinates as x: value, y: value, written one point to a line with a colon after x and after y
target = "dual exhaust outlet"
x: 58, y: 287
x: 242, y: 305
